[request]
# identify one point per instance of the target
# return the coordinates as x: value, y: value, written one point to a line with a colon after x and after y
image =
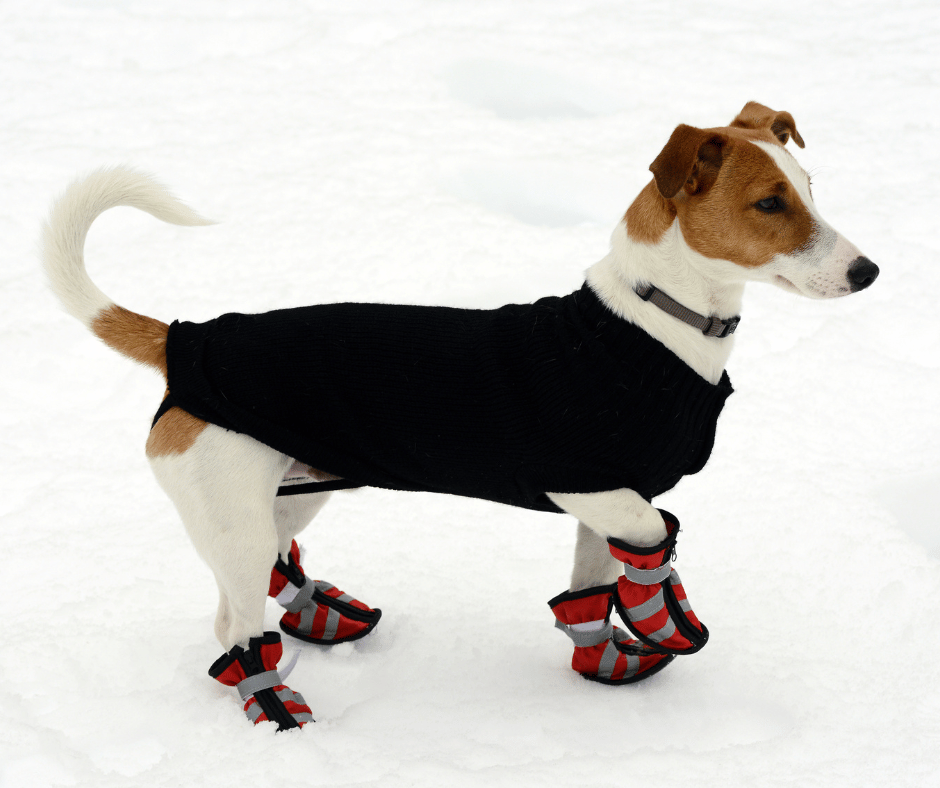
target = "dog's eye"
x: 770, y: 205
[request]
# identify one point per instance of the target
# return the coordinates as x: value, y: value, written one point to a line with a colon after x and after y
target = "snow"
x: 470, y: 154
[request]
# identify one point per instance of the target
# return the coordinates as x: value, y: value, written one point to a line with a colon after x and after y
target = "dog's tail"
x: 63, y: 241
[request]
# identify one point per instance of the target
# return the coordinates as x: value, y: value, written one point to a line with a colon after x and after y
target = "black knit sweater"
x: 505, y: 404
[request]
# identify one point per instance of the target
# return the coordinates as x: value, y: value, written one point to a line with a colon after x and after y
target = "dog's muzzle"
x: 862, y: 272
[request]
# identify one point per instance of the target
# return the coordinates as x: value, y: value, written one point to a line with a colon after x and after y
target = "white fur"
x: 620, y: 513
x: 63, y: 235
x: 224, y: 488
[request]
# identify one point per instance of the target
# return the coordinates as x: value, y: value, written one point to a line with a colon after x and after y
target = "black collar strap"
x: 709, y: 326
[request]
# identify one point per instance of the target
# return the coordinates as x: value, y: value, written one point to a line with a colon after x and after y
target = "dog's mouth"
x: 786, y: 284
x: 810, y: 289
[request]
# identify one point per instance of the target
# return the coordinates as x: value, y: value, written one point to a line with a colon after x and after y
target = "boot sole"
x: 633, y: 679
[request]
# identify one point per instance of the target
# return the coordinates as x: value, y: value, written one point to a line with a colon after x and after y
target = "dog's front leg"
x: 621, y: 514
x: 619, y: 526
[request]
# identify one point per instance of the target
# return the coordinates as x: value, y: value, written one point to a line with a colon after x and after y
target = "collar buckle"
x: 721, y: 328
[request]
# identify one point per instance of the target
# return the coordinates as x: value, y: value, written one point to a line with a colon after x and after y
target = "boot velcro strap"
x: 258, y: 682
x: 301, y: 598
x: 647, y: 577
x: 322, y: 586
x: 591, y: 637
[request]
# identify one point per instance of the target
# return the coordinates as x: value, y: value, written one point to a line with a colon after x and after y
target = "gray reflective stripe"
x: 647, y: 577
x: 287, y: 694
x: 683, y: 603
x: 306, y: 618
x: 633, y: 665
x: 663, y: 634
x: 584, y: 639
x: 606, y: 668
x: 644, y: 610
x: 609, y: 661
x: 254, y: 710
x: 346, y: 598
x: 304, y: 594
x: 287, y: 594
x: 261, y: 681
x: 332, y: 622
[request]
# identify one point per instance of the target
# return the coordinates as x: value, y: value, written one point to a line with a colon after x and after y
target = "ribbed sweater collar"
x: 629, y: 343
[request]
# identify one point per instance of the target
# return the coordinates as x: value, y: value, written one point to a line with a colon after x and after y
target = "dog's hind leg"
x: 317, y: 611
x: 293, y: 513
x: 223, y: 485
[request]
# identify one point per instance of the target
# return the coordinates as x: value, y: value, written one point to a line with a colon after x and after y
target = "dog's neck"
x: 694, y: 281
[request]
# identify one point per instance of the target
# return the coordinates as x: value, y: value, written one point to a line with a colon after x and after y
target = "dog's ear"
x: 781, y: 124
x: 691, y: 161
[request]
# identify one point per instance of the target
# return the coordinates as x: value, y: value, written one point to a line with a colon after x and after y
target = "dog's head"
x: 744, y: 204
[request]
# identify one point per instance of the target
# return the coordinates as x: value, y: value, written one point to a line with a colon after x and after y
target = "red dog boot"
x: 650, y: 598
x: 253, y: 672
x: 317, y: 612
x: 603, y: 652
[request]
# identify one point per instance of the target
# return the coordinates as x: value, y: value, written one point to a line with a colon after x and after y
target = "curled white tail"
x: 63, y: 243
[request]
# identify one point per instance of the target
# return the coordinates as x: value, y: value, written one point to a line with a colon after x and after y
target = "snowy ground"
x: 470, y: 153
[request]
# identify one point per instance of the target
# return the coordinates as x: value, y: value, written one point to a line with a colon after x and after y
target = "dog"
x: 589, y: 404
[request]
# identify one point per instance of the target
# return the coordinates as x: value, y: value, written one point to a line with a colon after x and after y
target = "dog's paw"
x: 603, y: 652
x: 317, y: 611
x: 253, y: 673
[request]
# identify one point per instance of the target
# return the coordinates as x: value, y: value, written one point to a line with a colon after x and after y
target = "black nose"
x: 862, y: 272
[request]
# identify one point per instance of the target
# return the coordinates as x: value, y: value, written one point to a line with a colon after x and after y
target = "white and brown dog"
x: 726, y: 206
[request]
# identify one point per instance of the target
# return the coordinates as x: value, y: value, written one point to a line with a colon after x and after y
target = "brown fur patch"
x: 781, y: 124
x: 136, y: 336
x: 649, y: 216
x: 724, y: 223
x: 174, y: 433
x: 687, y: 161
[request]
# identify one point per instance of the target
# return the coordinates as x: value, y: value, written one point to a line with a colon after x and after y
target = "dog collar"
x: 710, y: 326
